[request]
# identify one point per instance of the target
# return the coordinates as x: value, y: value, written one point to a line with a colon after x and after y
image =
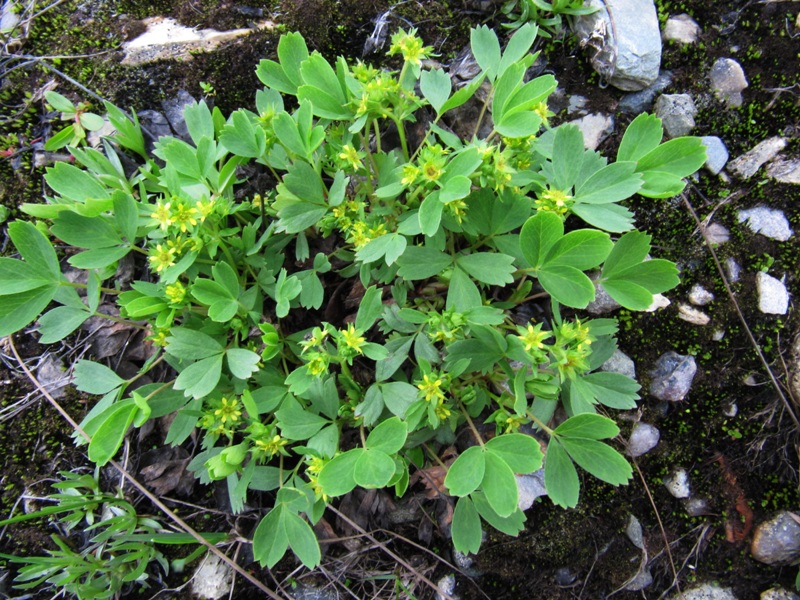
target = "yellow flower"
x: 175, y: 292
x: 271, y: 446
x: 410, y: 175
x: 318, y: 364
x: 229, y: 410
x: 533, y: 338
x: 353, y: 339
x: 163, y: 215
x: 410, y: 46
x: 442, y: 412
x: 555, y: 201
x: 350, y: 155
x: 159, y: 338
x: 162, y: 258
x: 431, y: 389
x: 206, y: 207
x: 184, y: 216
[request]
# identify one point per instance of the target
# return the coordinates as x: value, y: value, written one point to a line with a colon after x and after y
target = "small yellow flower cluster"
x: 175, y: 217
x: 533, y: 338
x: 352, y: 339
x: 553, y: 200
x: 429, y: 168
x: 314, y: 466
x: 378, y: 95
x: 351, y: 220
x: 175, y: 292
x: 572, y: 348
x: 351, y: 158
x: 228, y: 410
x: 410, y: 47
x: 317, y: 357
x: 431, y: 388
x: 271, y: 446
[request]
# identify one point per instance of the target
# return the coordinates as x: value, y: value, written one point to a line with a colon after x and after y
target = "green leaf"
x: 538, y: 236
x: 91, y: 121
x: 612, y: 183
x: 74, y: 183
x: 108, y: 437
x: 270, y: 540
x: 587, y: 425
x: 430, y: 214
x: 435, y: 86
x: 17, y: 276
x: 630, y: 250
x: 370, y: 308
x: 520, y: 452
x: 19, y: 310
x: 568, y: 152
x: 243, y: 138
x: 85, y: 232
x: 510, y: 525
x: 337, y: 476
x: 35, y: 249
x: 643, y: 135
x: 292, y: 52
x: 462, y: 294
x: 305, y: 183
x: 455, y: 188
x: 94, y: 378
x: 199, y: 379
x: 317, y: 72
x: 500, y: 485
x: 398, y: 395
x: 583, y: 249
x: 199, y: 121
x: 612, y: 389
x: 599, y: 459
x: 466, y: 473
x: 189, y: 344
x: 518, y: 46
x: 286, y: 129
x: 628, y: 294
x: 567, y: 285
x: 58, y: 323
x: 486, y: 49
x: 296, y: 423
x: 466, y: 527
x: 242, y: 362
x: 560, y: 477
x: 371, y: 408
x: 610, y: 217
x: 519, y: 124
x: 302, y: 540
x: 59, y: 102
x: 389, y: 436
x: 422, y: 262
x: 373, y: 469
x: 126, y: 215
x: 488, y: 267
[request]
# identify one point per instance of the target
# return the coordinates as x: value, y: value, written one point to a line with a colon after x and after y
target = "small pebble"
x: 733, y: 269
x: 769, y: 222
x: 672, y: 376
x: 447, y: 587
x: 777, y: 541
x: 717, y: 234
x: 696, y: 507
x: 728, y: 81
x: 677, y: 113
x: 746, y: 165
x: 716, y: 153
x: 644, y: 438
x: 620, y: 363
x: 779, y: 593
x: 693, y: 315
x: 677, y: 483
x: 773, y: 298
x: 681, y: 28
x: 700, y: 296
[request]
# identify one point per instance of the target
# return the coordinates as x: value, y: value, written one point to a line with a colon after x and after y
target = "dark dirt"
x: 581, y: 553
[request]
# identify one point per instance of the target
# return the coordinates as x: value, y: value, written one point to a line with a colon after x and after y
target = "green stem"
x: 377, y: 129
x: 481, y: 115
x: 371, y: 160
x: 402, y: 133
x: 118, y: 320
x: 540, y: 423
x: 83, y: 286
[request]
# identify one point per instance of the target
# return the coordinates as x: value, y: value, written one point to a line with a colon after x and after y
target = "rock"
x: 696, y: 507
x: 154, y: 124
x: 681, y: 28
x: 565, y: 576
x: 784, y: 170
x: 639, y: 102
x: 595, y: 128
x: 733, y: 269
x: 705, y: 591
x: 173, y: 111
x: 602, y: 303
x: 305, y: 591
x: 52, y: 375
x: 728, y: 81
x: 676, y: 112
x: 620, y: 363
x: 577, y: 104
x: 779, y: 593
x: 659, y: 301
x: 95, y: 138
x: 746, y: 165
x: 624, y: 41
x: 699, y: 295
x: 672, y: 376
x: 530, y: 488
x: 642, y: 580
x: 212, y: 579
x: 717, y: 234
x: 462, y: 561
x: 692, y: 315
x: 166, y: 39
x: 777, y: 541
x: 716, y: 153
x: 677, y: 483
x: 770, y: 222
x: 644, y: 438
x: 447, y: 587
x: 773, y: 298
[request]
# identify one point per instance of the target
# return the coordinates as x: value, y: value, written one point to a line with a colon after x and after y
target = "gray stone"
x: 620, y: 363
x: 784, y: 170
x: 530, y: 488
x: 154, y: 123
x: 717, y: 234
x: 746, y: 165
x: 577, y: 104
x: 705, y: 591
x: 642, y: 580
x: 773, y: 298
x: 644, y: 438
x: 699, y: 295
x: 676, y: 112
x: 716, y: 153
x: 602, y: 303
x: 595, y: 128
x: 692, y: 315
x: 681, y: 28
x: 447, y: 587
x: 677, y: 483
x: 672, y: 376
x: 52, y: 375
x: 641, y: 101
x: 778, y: 593
x: 733, y: 269
x: 624, y: 41
x: 696, y: 507
x: 777, y: 541
x: 770, y: 222
x: 212, y: 579
x: 728, y: 81
x: 173, y: 110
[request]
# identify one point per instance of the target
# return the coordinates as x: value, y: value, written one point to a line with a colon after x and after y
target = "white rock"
x: 530, y: 488
x: 165, y: 38
x: 692, y: 315
x: 447, y: 587
x: 784, y: 170
x: 773, y: 298
x: 212, y: 579
x: 644, y: 438
x: 718, y: 335
x: 716, y: 153
x: 717, y: 234
x: 779, y: 593
x: 728, y: 81
x: 623, y: 40
x: 746, y: 165
x: 681, y: 28
x: 577, y: 104
x: 659, y: 301
x: 705, y: 591
x: 595, y: 128
x: 678, y: 483
x: 620, y: 363
x: 676, y: 112
x: 699, y: 295
x: 9, y: 17
x: 770, y: 222
x: 733, y: 269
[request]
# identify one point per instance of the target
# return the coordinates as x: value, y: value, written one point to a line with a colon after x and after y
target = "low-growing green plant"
x: 439, y: 240
x: 547, y: 15
x: 121, y: 547
x: 82, y: 121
